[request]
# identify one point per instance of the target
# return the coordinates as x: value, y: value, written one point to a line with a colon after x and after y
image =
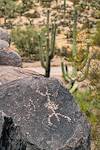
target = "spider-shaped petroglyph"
x: 52, y: 107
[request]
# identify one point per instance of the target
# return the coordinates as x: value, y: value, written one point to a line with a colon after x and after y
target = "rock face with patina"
x: 7, y: 56
x: 46, y: 114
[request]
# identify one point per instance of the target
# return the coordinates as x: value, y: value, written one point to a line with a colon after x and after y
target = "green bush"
x: 96, y: 38
x: 86, y: 103
x: 24, y: 6
x: 90, y: 105
x: 7, y: 9
x: 26, y: 41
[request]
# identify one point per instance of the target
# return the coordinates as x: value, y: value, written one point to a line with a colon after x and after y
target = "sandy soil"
x: 55, y: 69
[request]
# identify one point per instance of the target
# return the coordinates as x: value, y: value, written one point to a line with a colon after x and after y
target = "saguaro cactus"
x: 64, y: 8
x: 47, y: 54
x: 80, y: 66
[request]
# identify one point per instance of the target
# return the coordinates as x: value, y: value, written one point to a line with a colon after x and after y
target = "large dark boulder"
x: 10, y: 58
x: 4, y: 35
x: 3, y: 44
x: 46, y: 114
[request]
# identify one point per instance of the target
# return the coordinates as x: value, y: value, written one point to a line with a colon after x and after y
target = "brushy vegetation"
x: 96, y: 38
x: 11, y: 9
x: 90, y: 105
x: 24, y: 6
x: 26, y: 41
x: 7, y: 9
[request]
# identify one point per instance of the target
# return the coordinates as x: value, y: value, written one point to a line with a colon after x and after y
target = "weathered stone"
x: 3, y: 44
x: 10, y: 58
x: 4, y: 35
x: 12, y: 138
x: 46, y: 113
x: 10, y: 73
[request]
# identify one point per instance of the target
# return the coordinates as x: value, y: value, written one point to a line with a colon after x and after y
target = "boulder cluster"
x: 8, y: 56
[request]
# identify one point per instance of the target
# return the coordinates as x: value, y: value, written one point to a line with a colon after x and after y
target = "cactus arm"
x: 74, y: 87
x: 48, y: 22
x: 74, y: 48
x: 64, y: 8
x: 48, y: 60
x: 65, y: 73
x: 69, y: 86
x: 53, y: 39
x: 83, y: 63
x: 85, y: 74
x: 48, y: 39
x: 43, y: 63
x: 47, y: 52
x: 52, y: 42
x: 74, y: 71
x: 42, y: 56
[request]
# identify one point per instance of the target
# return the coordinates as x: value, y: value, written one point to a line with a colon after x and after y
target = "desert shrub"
x: 24, y: 6
x: 90, y: 105
x: 7, y: 9
x: 87, y: 104
x: 26, y: 41
x: 96, y: 37
x: 94, y: 77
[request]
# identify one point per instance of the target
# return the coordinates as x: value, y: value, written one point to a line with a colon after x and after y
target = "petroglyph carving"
x: 52, y: 107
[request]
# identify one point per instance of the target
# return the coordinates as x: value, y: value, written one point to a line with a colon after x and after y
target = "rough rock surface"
x: 12, y: 138
x: 46, y: 114
x: 10, y: 58
x: 3, y: 44
x: 10, y: 73
x: 4, y: 35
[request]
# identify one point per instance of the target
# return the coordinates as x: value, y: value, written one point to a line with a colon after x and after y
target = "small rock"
x: 4, y: 35
x: 10, y: 58
x: 3, y: 44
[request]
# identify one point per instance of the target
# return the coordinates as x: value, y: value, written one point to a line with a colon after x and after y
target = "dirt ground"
x: 55, y: 67
x: 56, y: 71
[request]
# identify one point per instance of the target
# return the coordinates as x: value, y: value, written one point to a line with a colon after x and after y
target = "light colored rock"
x: 4, y: 35
x: 3, y: 44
